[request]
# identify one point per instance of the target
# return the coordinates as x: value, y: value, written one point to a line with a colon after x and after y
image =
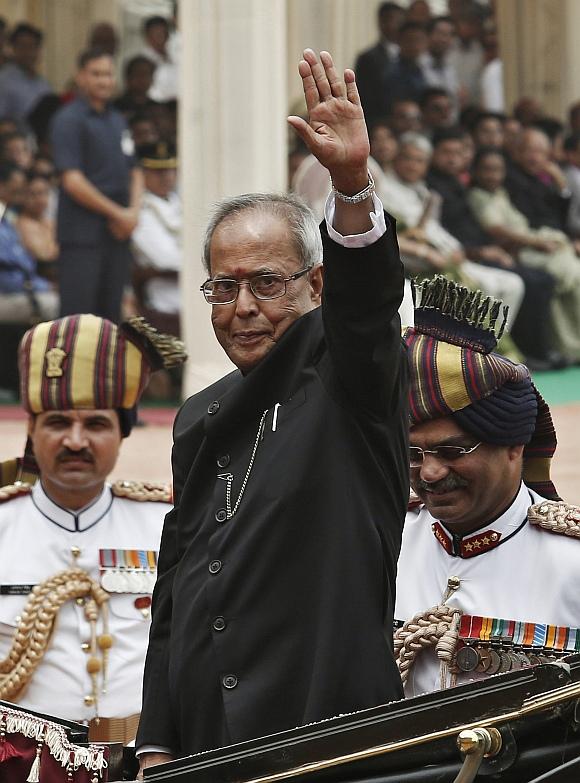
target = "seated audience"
x: 405, y: 78
x: 383, y: 144
x: 143, y: 129
x: 488, y: 130
x: 156, y: 35
x: 475, y: 544
x: 405, y: 195
x: 541, y: 248
x: 103, y: 36
x: 554, y: 130
x: 491, y: 81
x: 466, y: 54
x: 436, y: 64
x: 372, y: 65
x: 24, y: 295
x: 404, y: 117
x: 536, y: 185
x: 531, y: 334
x: 156, y: 242
x: 138, y: 74
x: 16, y: 148
x: 20, y: 85
x: 37, y: 232
x: 436, y: 109
x: 572, y: 172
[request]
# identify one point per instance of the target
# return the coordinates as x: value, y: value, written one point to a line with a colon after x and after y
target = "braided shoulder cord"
x: 436, y: 627
x: 556, y: 517
x: 36, y: 624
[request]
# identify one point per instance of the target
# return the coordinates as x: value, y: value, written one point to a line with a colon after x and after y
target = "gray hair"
x: 417, y: 140
x: 297, y: 214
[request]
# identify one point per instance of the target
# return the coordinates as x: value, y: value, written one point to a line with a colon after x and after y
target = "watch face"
x: 467, y: 658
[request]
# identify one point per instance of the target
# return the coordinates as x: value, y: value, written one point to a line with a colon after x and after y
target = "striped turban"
x: 85, y: 362
x: 455, y: 372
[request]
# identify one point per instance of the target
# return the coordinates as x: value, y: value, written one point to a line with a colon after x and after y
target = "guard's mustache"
x: 447, y: 484
x: 67, y: 454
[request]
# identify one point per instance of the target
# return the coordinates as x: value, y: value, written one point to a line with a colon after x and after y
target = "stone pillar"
x: 232, y: 137
x: 540, y: 52
x: 342, y: 27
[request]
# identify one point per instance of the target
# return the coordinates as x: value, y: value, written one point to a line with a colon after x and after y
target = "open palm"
x: 336, y: 132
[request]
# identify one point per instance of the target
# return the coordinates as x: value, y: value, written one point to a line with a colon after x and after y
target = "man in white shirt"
x: 78, y: 555
x: 156, y: 241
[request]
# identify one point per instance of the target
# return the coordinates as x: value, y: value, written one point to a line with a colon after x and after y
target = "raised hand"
x: 336, y: 132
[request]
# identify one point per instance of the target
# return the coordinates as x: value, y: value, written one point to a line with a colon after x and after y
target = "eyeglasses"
x: 443, y: 453
x: 223, y: 291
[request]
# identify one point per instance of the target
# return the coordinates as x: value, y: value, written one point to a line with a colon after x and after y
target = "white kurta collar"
x: 73, y: 521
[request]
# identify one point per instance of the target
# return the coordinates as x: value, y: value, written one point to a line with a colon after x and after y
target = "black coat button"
x: 223, y: 461
x: 221, y: 515
x: 215, y: 566
x: 219, y: 624
x: 213, y: 407
x: 230, y: 681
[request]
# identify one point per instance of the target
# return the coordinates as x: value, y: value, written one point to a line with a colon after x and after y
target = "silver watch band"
x: 358, y: 197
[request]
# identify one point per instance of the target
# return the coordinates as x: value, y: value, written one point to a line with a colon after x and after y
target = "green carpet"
x: 560, y: 386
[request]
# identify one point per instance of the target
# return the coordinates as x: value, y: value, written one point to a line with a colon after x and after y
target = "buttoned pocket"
x: 131, y: 607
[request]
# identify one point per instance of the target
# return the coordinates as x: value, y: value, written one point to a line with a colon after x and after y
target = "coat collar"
x: 73, y: 521
x: 489, y: 536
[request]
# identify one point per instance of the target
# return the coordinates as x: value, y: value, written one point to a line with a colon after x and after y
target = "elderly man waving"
x: 277, y: 564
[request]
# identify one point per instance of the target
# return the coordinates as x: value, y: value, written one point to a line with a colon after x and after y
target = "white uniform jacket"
x: 36, y: 537
x: 531, y: 577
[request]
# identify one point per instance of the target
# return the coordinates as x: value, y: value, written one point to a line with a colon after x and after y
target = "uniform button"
x: 219, y: 624
x: 221, y: 515
x: 213, y: 407
x: 223, y: 461
x: 230, y: 681
x: 215, y: 566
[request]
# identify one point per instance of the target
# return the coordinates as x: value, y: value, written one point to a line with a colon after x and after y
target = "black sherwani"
x: 282, y: 614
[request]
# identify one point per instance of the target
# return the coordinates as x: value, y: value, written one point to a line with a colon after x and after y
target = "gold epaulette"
x: 11, y: 491
x: 143, y: 490
x: 557, y: 517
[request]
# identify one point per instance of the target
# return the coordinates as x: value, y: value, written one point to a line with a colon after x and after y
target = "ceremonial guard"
x: 487, y: 576
x: 77, y: 554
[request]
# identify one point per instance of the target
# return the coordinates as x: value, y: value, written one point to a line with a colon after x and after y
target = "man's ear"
x: 516, y: 452
x: 316, y: 283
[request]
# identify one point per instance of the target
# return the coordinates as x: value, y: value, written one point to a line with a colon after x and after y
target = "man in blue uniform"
x: 100, y: 195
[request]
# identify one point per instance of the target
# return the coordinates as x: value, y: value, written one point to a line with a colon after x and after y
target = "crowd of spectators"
x: 485, y: 196
x: 76, y: 207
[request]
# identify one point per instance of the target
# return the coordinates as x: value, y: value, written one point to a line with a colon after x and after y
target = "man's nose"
x: 76, y: 438
x: 432, y: 469
x: 246, y: 303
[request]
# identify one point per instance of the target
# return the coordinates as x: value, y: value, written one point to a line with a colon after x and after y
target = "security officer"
x: 77, y: 555
x: 100, y: 195
x: 483, y: 584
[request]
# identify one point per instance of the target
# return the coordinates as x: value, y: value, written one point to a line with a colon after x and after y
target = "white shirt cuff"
x: 377, y: 217
x: 152, y: 749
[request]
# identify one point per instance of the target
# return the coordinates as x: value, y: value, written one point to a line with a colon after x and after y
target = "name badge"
x: 16, y: 589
